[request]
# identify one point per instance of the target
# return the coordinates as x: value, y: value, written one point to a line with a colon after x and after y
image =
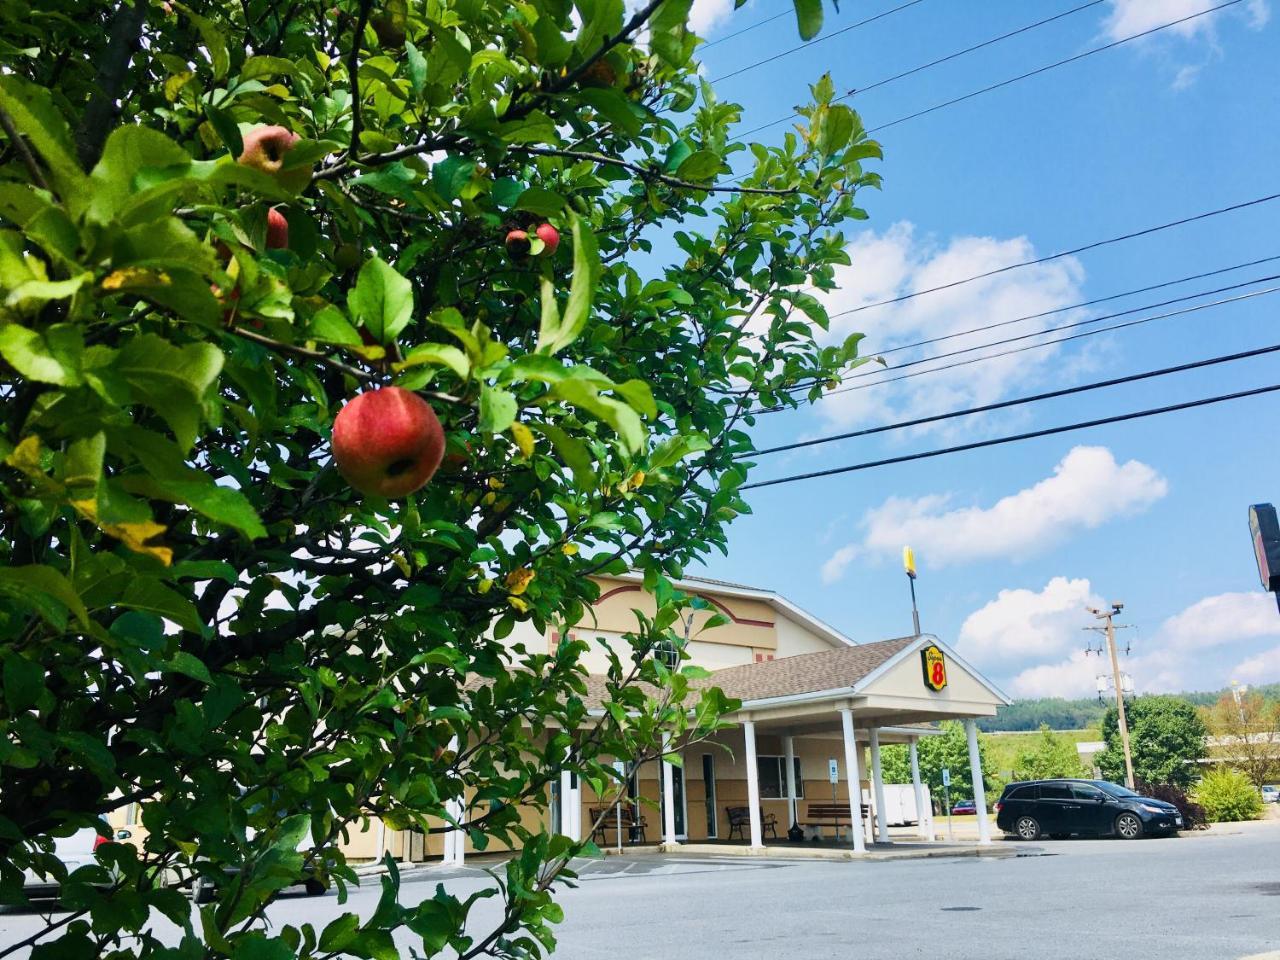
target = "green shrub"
x: 1227, y: 796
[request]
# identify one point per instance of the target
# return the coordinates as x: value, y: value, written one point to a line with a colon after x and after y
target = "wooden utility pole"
x: 1110, y: 632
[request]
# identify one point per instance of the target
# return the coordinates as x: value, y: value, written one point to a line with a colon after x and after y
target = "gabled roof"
x: 841, y: 668
x: 775, y: 600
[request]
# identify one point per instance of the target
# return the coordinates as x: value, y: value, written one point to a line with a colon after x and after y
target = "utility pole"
x: 1110, y: 632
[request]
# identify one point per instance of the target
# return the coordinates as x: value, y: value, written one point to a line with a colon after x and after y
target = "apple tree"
x: 336, y: 339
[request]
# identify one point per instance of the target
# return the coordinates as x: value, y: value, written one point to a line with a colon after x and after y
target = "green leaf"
x: 677, y: 154
x: 623, y: 419
x: 702, y: 165
x: 23, y: 682
x: 615, y: 107
x: 212, y: 38
x: 227, y: 129
x: 46, y: 581
x: 837, y: 128
x: 451, y: 174
x: 382, y: 300
x: 34, y: 114
x: 189, y: 666
x: 129, y: 150
x: 257, y: 68
x: 171, y: 380
x: 676, y: 449
x: 668, y: 30
x: 328, y: 325
x: 41, y: 291
x: 437, y: 354
x: 544, y: 203
x: 808, y: 17
x: 339, y: 933
x: 586, y: 271
x: 152, y: 596
x: 293, y: 830
x: 53, y: 358
x: 416, y: 66
x: 497, y: 410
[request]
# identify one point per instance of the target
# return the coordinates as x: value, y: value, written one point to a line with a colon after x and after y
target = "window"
x: 773, y: 778
x: 1022, y: 793
x: 667, y: 653
x: 1055, y: 791
x: 1086, y: 791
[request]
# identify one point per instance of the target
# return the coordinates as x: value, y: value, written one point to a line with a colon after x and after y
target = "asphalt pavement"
x: 1194, y: 897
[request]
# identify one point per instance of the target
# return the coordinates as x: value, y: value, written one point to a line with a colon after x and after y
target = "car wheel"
x: 314, y: 887
x: 1027, y: 828
x: 1128, y: 826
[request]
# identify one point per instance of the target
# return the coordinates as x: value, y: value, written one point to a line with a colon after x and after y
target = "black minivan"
x: 1059, y: 808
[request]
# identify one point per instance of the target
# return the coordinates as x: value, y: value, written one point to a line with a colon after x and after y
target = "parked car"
x: 964, y: 806
x: 1062, y: 808
x: 74, y: 851
x: 1270, y: 793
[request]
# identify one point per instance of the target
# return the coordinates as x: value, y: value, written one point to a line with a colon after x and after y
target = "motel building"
x: 816, y: 709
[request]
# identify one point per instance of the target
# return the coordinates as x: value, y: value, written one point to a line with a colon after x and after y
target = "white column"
x: 855, y: 779
x: 877, y: 787
x: 381, y: 840
x: 789, y: 747
x: 922, y: 817
x: 979, y: 792
x: 753, y: 784
x: 566, y: 804
x: 454, y: 844
x: 575, y: 805
x: 668, y: 797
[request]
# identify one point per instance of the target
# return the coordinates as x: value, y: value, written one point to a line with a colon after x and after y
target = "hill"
x: 1062, y: 714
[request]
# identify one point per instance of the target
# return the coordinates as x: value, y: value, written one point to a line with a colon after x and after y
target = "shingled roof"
x: 805, y: 672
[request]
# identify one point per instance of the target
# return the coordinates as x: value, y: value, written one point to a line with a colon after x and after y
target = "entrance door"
x: 709, y: 784
x: 1056, y: 808
x: 1095, y: 814
x: 677, y: 786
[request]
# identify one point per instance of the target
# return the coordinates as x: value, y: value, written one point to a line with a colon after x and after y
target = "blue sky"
x: 1013, y: 541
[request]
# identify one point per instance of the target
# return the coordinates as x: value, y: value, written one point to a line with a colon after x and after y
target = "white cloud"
x: 1087, y: 489
x: 837, y: 563
x: 1032, y: 642
x: 707, y: 15
x: 1130, y: 17
x: 897, y: 262
x: 1222, y: 619
x: 1022, y: 624
x: 1262, y: 668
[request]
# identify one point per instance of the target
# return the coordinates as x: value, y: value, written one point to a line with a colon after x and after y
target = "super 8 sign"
x: 935, y: 667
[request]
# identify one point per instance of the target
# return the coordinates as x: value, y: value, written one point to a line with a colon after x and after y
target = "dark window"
x: 1085, y: 791
x: 1055, y: 791
x: 668, y: 653
x: 773, y: 778
x: 1022, y: 793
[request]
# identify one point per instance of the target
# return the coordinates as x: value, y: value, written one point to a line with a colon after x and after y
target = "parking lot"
x: 1196, y: 897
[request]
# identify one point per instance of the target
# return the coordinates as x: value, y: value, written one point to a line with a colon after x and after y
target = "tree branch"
x: 103, y: 109
x: 646, y: 173
x: 20, y: 145
x: 353, y: 75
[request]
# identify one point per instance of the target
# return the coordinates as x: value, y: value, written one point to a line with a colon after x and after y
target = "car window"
x: 1085, y: 791
x: 1022, y: 793
x: 1055, y: 791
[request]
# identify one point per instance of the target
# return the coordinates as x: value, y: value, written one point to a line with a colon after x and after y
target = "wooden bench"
x: 819, y: 815
x: 606, y: 818
x: 740, y: 821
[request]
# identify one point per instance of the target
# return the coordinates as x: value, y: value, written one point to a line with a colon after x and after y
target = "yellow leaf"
x: 484, y: 586
x: 518, y: 604
x: 135, y: 277
x: 132, y: 535
x: 495, y: 483
x: 489, y: 498
x: 518, y: 581
x: 399, y: 560
x: 523, y: 437
x: 26, y: 457
x: 637, y: 480
x: 569, y: 549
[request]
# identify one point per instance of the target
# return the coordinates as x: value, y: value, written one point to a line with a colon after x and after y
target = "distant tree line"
x: 1059, y: 714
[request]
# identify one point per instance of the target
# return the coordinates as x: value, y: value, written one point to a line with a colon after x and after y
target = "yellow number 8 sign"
x: 935, y: 667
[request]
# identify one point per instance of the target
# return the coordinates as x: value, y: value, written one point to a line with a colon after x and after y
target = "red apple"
x: 265, y: 147
x: 387, y: 442
x: 277, y: 230
x: 517, y: 244
x: 550, y: 237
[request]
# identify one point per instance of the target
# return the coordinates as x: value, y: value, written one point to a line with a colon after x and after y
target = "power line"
x: 830, y: 36
x: 1019, y: 401
x: 932, y: 63
x: 1012, y: 80
x: 1073, y: 325
x: 1035, y: 346
x: 747, y: 29
x: 1062, y: 253
x: 1031, y: 435
x: 1079, y: 306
